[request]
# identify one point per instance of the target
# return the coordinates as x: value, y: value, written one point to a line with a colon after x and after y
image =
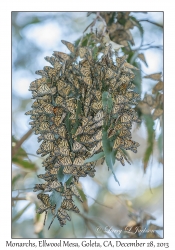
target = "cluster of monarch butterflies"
x: 68, y: 115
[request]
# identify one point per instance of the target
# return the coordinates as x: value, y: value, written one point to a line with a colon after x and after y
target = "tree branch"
x: 20, y: 142
x: 146, y: 20
x: 18, y: 198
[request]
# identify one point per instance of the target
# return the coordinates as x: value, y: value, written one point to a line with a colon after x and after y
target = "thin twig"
x: 20, y: 142
x: 34, y: 155
x: 73, y: 229
x: 149, y: 47
x: 93, y: 222
x: 18, y: 198
x: 21, y: 189
x: 90, y: 228
x: 146, y: 20
x: 98, y: 202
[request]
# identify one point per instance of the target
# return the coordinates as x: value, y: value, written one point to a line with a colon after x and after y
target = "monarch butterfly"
x: 110, y: 73
x: 47, y: 146
x: 65, y: 91
x: 86, y: 71
x: 55, y: 184
x: 61, y: 215
x: 149, y: 100
x: 68, y: 205
x: 98, y: 117
x: 69, y: 45
x: 96, y: 148
x: 124, y: 156
x: 97, y: 94
x: 61, y: 55
x: 106, y: 50
x: 128, y: 144
x: 129, y: 95
x: 134, y: 149
x: 84, y: 139
x: 68, y: 169
x: 75, y: 191
x: 78, y: 147
x: 121, y: 99
x: 116, y: 108
x: 132, y: 86
x: 57, y: 65
x: 119, y: 157
x: 118, y: 142
x: 91, y: 173
x: 82, y: 51
x: 67, y: 193
x: 48, y: 137
x: 45, y: 199
x: 42, y: 208
x: 35, y: 84
x: 62, y: 131
x: 121, y: 60
x: 63, y: 212
x: 96, y: 137
x: 78, y: 161
x: 125, y: 133
x: 97, y: 105
x: 125, y: 118
x: 158, y: 112
x: 61, y: 85
x: 87, y: 80
x: 158, y: 87
x: 66, y: 161
x: 79, y: 131
x: 62, y: 151
x: 130, y: 66
x: 39, y: 187
x: 47, y: 177
x: 71, y: 106
x: 41, y: 72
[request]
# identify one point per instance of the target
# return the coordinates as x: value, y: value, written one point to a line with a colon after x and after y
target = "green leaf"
x: 141, y: 56
x: 160, y: 144
x: 18, y: 215
x: 24, y: 164
x: 78, y: 112
x: 15, y: 179
x: 95, y: 157
x: 21, y: 152
x: 61, y: 177
x: 69, y: 180
x: 56, y: 198
x: 82, y: 194
x: 68, y: 127
x: 138, y: 25
x: 107, y: 101
x: 109, y: 153
x: 150, y: 141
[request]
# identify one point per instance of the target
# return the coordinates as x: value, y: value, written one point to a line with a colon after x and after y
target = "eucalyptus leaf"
x: 107, y: 101
x: 61, y: 177
x: 24, y: 164
x: 150, y: 141
x: 109, y: 153
x: 95, y: 157
x: 56, y: 198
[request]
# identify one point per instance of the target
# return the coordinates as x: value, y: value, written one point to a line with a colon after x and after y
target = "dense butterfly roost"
x: 77, y: 100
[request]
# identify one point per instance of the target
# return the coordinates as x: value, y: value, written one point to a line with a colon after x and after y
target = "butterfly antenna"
x: 52, y: 222
x: 45, y: 218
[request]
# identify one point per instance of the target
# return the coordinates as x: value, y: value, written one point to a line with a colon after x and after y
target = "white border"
x: 5, y: 105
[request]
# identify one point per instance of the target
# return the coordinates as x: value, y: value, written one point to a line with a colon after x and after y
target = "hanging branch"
x: 20, y: 142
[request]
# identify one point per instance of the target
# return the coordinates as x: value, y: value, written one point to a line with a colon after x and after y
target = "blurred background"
x: 107, y: 207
